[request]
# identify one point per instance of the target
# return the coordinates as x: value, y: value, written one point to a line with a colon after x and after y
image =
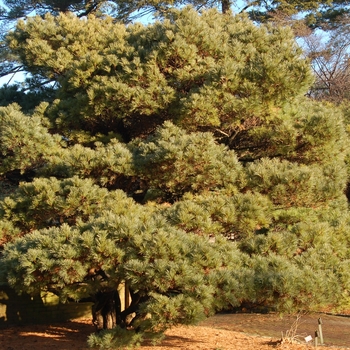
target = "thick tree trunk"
x: 107, y: 314
x: 225, y: 5
x: 106, y: 310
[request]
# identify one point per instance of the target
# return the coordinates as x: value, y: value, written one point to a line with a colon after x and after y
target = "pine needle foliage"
x: 194, y: 70
x: 180, y: 159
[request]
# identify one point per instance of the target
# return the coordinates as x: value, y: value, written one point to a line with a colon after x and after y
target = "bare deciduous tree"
x: 330, y: 59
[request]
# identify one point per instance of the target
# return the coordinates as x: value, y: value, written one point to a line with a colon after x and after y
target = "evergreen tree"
x: 297, y: 14
x: 184, y: 66
x: 315, y: 14
x: 318, y: 13
x: 181, y: 158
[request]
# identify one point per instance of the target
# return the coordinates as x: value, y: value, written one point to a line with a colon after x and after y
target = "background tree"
x: 182, y: 158
x: 330, y: 62
x: 315, y: 14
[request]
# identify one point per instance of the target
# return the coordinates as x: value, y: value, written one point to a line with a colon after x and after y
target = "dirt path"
x: 221, y: 332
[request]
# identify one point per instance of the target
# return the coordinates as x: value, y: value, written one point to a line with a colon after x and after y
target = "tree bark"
x: 106, y: 310
x: 225, y: 5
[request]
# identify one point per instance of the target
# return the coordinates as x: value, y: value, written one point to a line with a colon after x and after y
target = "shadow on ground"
x: 60, y: 336
x: 73, y: 335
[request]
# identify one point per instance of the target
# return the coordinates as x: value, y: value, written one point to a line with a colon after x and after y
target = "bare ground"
x: 221, y: 332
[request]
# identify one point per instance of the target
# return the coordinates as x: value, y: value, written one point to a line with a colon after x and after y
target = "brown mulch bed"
x: 221, y: 332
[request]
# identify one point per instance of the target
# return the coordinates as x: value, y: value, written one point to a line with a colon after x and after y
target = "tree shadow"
x: 70, y: 335
x: 39, y: 309
x: 60, y: 336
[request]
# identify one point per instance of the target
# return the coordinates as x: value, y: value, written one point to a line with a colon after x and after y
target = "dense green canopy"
x: 180, y: 69
x: 302, y: 16
x: 181, y: 158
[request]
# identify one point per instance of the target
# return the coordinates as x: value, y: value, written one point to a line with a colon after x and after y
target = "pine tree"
x: 181, y: 158
x: 183, y: 65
